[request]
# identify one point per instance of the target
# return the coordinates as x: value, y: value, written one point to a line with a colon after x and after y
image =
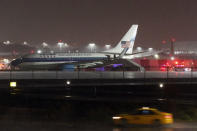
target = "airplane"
x: 73, y: 60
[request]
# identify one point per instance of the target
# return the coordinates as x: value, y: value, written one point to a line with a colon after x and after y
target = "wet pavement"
x: 85, y: 126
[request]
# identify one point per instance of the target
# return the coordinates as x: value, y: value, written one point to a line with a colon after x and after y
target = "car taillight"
x: 168, y: 116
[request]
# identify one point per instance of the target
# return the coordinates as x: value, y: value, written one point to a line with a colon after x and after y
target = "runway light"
x: 13, y: 84
x: 68, y: 82
x: 161, y: 85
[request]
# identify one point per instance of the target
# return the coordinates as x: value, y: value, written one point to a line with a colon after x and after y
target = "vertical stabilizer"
x: 127, y: 41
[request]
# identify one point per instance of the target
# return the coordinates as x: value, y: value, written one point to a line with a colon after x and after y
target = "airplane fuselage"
x: 52, y: 61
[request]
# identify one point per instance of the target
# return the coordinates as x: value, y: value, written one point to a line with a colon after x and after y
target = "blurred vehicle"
x: 166, y: 67
x: 144, y: 116
x: 176, y: 66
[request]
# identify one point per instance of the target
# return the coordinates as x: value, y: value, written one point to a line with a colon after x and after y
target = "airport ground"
x: 25, y: 113
x: 79, y: 115
x: 79, y: 107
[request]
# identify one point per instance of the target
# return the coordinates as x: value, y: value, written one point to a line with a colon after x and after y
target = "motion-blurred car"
x: 144, y: 116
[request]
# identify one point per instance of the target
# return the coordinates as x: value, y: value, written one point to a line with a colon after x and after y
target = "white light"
x: 116, y: 117
x: 156, y: 56
x: 150, y: 49
x: 39, y: 51
x: 44, y: 44
x: 139, y: 48
x: 6, y: 42
x: 6, y: 61
x: 161, y: 85
x: 68, y: 96
x: 172, y: 58
x: 145, y: 108
x: 107, y: 46
x: 92, y: 46
x: 25, y: 43
x: 65, y: 45
x: 60, y: 44
x: 68, y: 82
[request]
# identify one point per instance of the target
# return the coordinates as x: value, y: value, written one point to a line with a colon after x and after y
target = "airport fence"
x: 118, y: 73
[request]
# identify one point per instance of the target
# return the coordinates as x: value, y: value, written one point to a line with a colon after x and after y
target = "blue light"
x: 116, y: 65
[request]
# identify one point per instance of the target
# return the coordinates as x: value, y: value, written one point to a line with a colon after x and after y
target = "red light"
x: 173, y: 39
x: 162, y: 69
x: 168, y: 116
x: 167, y: 64
x: 163, y: 42
x: 32, y: 51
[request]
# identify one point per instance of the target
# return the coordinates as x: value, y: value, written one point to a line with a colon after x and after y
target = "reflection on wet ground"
x: 178, y: 126
x: 15, y: 125
x: 144, y: 129
x: 154, y: 129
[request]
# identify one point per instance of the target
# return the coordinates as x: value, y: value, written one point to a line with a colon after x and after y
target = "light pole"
x: 172, y: 46
x: 107, y: 46
x: 39, y: 51
x: 92, y: 46
x: 45, y: 45
x: 66, y: 46
x: 139, y: 49
x: 6, y: 42
x: 150, y: 49
x: 60, y: 44
x: 25, y: 43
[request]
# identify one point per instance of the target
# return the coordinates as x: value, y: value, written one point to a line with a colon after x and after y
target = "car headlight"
x: 116, y: 117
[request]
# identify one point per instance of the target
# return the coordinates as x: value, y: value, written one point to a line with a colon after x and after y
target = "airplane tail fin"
x: 127, y: 41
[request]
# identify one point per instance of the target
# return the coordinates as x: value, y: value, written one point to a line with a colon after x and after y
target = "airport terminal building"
x: 185, y: 55
x: 185, y: 48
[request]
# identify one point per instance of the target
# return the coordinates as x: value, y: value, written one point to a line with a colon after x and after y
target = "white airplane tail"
x: 127, y: 41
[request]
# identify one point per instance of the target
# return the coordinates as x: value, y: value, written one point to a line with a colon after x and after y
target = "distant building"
x: 185, y: 47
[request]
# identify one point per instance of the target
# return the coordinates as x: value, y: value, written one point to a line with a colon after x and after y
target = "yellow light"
x: 13, y: 84
x: 145, y: 108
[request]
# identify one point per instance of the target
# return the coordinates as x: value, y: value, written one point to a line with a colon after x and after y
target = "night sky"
x: 79, y: 22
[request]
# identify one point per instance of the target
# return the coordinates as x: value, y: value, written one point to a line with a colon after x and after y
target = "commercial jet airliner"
x: 66, y: 60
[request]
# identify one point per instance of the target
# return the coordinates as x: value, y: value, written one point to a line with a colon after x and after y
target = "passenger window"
x: 147, y: 112
x: 138, y: 112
